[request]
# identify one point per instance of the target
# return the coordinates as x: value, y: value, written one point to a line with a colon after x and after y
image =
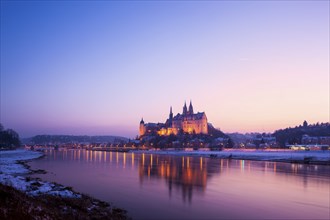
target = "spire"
x: 170, y: 118
x: 184, y: 108
x: 191, y: 110
x: 171, y: 113
x: 142, y: 122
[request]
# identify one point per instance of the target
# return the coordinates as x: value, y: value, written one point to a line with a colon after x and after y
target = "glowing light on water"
x: 132, y: 159
x: 242, y: 165
x: 124, y: 159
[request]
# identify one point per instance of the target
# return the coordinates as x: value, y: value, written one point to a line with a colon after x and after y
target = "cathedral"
x: 188, y: 122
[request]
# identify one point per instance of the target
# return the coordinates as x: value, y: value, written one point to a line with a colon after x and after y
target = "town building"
x: 187, y: 122
x: 323, y: 140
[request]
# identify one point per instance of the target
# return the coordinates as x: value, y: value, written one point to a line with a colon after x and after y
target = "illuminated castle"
x: 187, y: 122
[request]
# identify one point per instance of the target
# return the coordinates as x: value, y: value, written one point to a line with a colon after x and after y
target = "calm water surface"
x: 176, y: 187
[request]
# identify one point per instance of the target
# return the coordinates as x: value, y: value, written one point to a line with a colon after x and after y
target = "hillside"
x: 294, y: 135
x: 65, y: 139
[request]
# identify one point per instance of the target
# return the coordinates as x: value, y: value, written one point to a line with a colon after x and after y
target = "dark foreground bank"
x: 15, y: 204
x: 22, y: 197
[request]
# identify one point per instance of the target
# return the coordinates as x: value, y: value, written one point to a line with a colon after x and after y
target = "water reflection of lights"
x: 132, y: 160
x: 186, y: 171
x: 142, y: 159
x: 124, y: 159
x: 99, y: 155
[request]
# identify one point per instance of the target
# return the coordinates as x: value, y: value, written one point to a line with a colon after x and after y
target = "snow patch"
x: 264, y: 155
x: 10, y: 170
x: 9, y: 160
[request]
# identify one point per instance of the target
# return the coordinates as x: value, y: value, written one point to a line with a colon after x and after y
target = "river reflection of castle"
x: 186, y: 174
x: 190, y: 174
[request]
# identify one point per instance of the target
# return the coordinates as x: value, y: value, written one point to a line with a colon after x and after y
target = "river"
x: 153, y: 186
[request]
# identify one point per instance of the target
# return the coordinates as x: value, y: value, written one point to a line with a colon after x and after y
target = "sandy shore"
x: 289, y: 156
x: 26, y: 198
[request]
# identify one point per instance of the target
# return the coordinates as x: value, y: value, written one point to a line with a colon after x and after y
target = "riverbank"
x: 288, y: 156
x: 22, y: 197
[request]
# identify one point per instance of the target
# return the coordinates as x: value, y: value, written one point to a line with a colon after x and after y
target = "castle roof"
x: 197, y: 116
x: 154, y: 125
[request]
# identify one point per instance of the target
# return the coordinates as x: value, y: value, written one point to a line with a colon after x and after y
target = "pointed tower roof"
x: 191, y: 110
x: 142, y: 122
x: 184, y: 108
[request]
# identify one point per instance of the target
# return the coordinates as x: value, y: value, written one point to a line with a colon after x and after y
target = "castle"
x: 188, y: 122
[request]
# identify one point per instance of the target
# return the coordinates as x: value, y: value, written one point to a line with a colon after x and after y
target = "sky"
x: 98, y: 67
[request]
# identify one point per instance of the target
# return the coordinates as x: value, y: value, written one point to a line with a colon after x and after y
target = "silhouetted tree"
x: 230, y: 143
x: 9, y: 138
x: 305, y: 124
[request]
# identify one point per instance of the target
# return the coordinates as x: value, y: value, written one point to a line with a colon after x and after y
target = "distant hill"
x: 216, y: 132
x: 294, y: 135
x: 66, y: 139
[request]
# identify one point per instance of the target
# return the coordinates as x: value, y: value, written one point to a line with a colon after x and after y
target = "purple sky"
x: 98, y: 67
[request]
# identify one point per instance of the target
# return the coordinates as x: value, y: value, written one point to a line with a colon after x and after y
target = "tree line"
x: 294, y: 135
x: 9, y: 139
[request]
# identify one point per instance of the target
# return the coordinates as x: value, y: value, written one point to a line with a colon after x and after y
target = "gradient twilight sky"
x: 98, y: 67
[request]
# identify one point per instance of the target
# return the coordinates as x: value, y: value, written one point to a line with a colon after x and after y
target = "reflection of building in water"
x: 301, y: 173
x: 189, y: 174
x: 183, y: 173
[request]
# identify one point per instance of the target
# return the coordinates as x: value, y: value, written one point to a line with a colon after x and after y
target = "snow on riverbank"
x: 10, y: 171
x: 322, y: 157
x: 9, y: 161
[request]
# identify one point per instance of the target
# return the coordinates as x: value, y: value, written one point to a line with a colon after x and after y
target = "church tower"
x: 191, y: 110
x: 142, y: 128
x: 184, y: 109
